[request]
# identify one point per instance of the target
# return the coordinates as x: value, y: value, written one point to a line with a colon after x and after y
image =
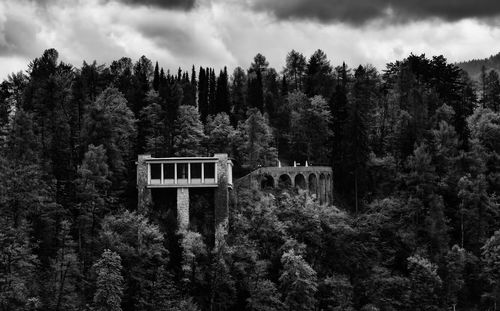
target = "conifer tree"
x: 188, y: 132
x: 212, y: 92
x: 255, y: 144
x: 203, y: 93
x: 425, y: 284
x: 222, y: 94
x: 319, y: 77
x: 255, y: 97
x: 109, y: 122
x: 295, y: 70
x: 238, y: 95
x: 219, y: 134
x: 194, y: 86
x: 109, y: 283
x: 156, y: 78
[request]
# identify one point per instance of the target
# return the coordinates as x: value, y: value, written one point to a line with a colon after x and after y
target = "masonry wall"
x: 221, y: 197
x: 182, y: 209
x: 144, y: 198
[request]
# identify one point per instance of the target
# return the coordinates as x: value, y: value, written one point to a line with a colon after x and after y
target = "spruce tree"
x: 156, y: 78
x: 238, y: 95
x: 203, y: 93
x: 222, y: 93
x: 109, y: 283
x: 212, y: 92
x: 295, y: 70
x: 188, y: 132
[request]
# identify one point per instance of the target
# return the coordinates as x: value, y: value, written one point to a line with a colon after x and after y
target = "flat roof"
x: 183, y: 159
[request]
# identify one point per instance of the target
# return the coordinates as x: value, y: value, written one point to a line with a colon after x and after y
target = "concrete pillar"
x: 144, y: 199
x: 221, y: 196
x: 182, y: 209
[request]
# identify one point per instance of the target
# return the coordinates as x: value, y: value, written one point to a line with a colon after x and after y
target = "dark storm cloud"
x: 165, y: 4
x: 361, y: 11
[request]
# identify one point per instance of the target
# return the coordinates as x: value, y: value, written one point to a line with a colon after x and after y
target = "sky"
x: 217, y: 33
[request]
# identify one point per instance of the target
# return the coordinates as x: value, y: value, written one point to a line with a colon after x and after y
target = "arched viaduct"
x: 316, y: 179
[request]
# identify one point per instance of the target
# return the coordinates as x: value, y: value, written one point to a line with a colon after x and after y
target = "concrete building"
x: 184, y: 173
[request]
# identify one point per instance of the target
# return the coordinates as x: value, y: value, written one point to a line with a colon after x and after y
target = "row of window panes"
x: 182, y: 170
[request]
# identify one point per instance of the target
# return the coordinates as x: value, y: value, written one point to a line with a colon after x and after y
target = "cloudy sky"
x: 230, y: 32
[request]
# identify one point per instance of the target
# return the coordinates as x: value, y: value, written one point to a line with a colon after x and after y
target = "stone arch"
x: 313, y: 184
x: 300, y: 181
x: 322, y: 188
x: 284, y: 181
x: 266, y: 182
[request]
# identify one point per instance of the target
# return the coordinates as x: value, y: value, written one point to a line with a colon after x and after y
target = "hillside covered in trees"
x: 475, y: 67
x: 415, y: 151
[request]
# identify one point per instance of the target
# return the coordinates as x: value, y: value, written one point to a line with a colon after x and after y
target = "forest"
x: 415, y: 152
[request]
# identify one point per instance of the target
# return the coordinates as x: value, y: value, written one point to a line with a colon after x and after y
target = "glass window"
x: 168, y: 171
x: 182, y: 171
x: 195, y: 170
x: 155, y: 171
x: 209, y: 170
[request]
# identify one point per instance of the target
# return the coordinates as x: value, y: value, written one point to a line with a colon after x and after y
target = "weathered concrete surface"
x: 182, y: 209
x: 221, y: 196
x: 317, y: 179
x: 144, y: 199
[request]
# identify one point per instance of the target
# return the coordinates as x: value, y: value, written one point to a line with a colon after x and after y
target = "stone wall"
x: 182, y: 209
x: 322, y: 176
x: 221, y: 196
x: 144, y: 199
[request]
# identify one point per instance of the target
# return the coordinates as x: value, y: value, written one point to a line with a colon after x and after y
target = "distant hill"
x: 473, y: 67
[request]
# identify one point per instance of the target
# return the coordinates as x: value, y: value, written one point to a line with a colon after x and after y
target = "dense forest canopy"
x: 414, y: 148
x: 476, y: 67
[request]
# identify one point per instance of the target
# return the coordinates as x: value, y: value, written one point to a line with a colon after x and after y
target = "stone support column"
x: 182, y: 209
x: 221, y: 197
x: 144, y: 199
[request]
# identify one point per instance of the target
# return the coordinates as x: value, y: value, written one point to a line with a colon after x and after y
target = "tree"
x: 219, y: 134
x: 264, y: 296
x: 109, y: 283
x: 491, y: 97
x: 212, y: 92
x: 298, y: 282
x: 222, y: 98
x: 110, y: 123
x: 22, y: 142
x: 91, y: 192
x: 256, y: 141
x: 425, y: 284
x: 295, y: 70
x: 203, y: 93
x: 310, y: 130
x: 455, y: 268
x: 491, y: 269
x: 319, y: 77
x: 357, y: 147
x: 156, y: 78
x: 62, y: 282
x: 188, y: 132
x: 238, y: 95
x: 17, y: 267
x: 337, y: 293
x: 255, y: 97
x: 154, y: 120
x: 140, y: 247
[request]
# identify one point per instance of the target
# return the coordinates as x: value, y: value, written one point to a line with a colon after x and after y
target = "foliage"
x: 109, y: 287
x: 415, y: 154
x: 189, y: 132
